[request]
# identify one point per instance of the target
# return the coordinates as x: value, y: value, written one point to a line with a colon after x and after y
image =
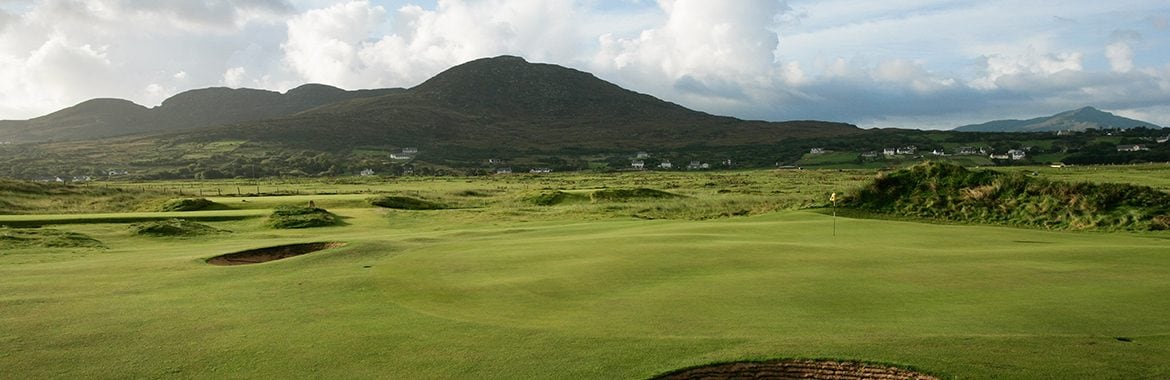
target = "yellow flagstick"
x: 833, y: 200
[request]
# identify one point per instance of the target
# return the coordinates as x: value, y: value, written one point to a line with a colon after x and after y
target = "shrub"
x: 405, y: 203
x: 300, y: 217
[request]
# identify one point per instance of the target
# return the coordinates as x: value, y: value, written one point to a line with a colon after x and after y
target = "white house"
x: 638, y: 164
x: 889, y: 151
x: 1017, y: 154
x: 695, y: 165
x: 1132, y: 148
x: 816, y: 151
x: 1163, y: 139
x: 907, y: 150
x: 870, y: 154
x: 409, y: 150
x: 664, y: 165
x: 114, y: 172
x: 641, y: 155
x: 504, y: 171
x: 540, y: 170
x: 399, y: 156
x: 938, y: 152
x: 367, y: 172
x: 999, y: 156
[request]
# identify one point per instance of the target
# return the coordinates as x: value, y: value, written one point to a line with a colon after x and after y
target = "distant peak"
x: 511, y: 58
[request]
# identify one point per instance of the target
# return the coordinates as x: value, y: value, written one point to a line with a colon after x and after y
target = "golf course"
x: 566, y: 276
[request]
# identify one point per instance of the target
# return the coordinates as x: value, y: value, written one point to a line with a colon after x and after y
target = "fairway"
x: 465, y: 294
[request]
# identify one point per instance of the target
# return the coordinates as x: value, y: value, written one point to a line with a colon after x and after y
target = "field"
x: 744, y: 265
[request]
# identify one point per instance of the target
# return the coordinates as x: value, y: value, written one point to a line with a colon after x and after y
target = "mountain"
x: 1076, y: 120
x: 508, y: 103
x: 193, y: 109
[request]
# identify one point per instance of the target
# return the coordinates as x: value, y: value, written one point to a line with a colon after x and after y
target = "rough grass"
x: 173, y: 227
x: 18, y: 238
x: 950, y: 192
x: 630, y: 194
x: 291, y: 217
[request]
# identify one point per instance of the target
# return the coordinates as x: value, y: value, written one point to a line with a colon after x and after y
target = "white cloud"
x: 234, y: 77
x: 912, y: 63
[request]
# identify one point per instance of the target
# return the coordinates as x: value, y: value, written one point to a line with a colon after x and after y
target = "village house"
x: 366, y: 172
x: 1163, y: 139
x: 938, y: 152
x: 696, y: 165
x: 409, y: 150
x: 889, y: 151
x: 816, y: 151
x: 1132, y: 148
x: 540, y: 170
x: 638, y: 164
x: 999, y: 156
x: 399, y: 156
x: 641, y: 155
x: 495, y: 161
x: 870, y: 154
x: 504, y: 171
x: 907, y: 150
x: 114, y: 172
x: 1017, y: 154
x: 664, y: 165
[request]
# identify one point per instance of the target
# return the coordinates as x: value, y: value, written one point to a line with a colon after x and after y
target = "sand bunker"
x: 796, y: 369
x: 260, y: 255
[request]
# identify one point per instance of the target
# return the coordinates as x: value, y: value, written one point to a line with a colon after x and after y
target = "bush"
x: 190, y: 204
x: 300, y: 217
x: 173, y: 227
x: 404, y: 203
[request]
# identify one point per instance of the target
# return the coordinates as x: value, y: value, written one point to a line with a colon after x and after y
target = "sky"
x: 927, y: 64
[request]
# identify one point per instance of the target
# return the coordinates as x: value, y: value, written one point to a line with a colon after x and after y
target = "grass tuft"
x: 173, y: 227
x: 405, y: 203
x: 16, y: 238
x: 288, y: 217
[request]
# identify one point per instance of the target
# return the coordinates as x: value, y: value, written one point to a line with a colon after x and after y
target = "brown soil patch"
x: 796, y: 369
x: 261, y: 255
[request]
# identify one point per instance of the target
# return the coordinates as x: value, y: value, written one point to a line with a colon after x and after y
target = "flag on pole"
x: 833, y: 198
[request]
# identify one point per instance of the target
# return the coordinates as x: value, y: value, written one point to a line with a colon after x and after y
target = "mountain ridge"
x: 192, y: 109
x: 1073, y: 120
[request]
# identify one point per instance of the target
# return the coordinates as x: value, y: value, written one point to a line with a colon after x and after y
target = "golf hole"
x: 795, y: 369
x: 263, y: 255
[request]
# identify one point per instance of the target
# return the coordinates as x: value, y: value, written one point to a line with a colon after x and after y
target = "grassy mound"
x: 190, y: 204
x: 405, y: 203
x: 630, y: 194
x: 300, y: 217
x: 14, y: 238
x: 173, y: 227
x: 556, y: 197
x: 950, y: 192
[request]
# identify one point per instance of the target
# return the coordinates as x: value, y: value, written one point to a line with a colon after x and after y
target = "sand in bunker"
x: 796, y: 369
x: 261, y: 255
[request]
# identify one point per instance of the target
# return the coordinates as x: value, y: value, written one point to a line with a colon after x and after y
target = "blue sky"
x: 899, y: 63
